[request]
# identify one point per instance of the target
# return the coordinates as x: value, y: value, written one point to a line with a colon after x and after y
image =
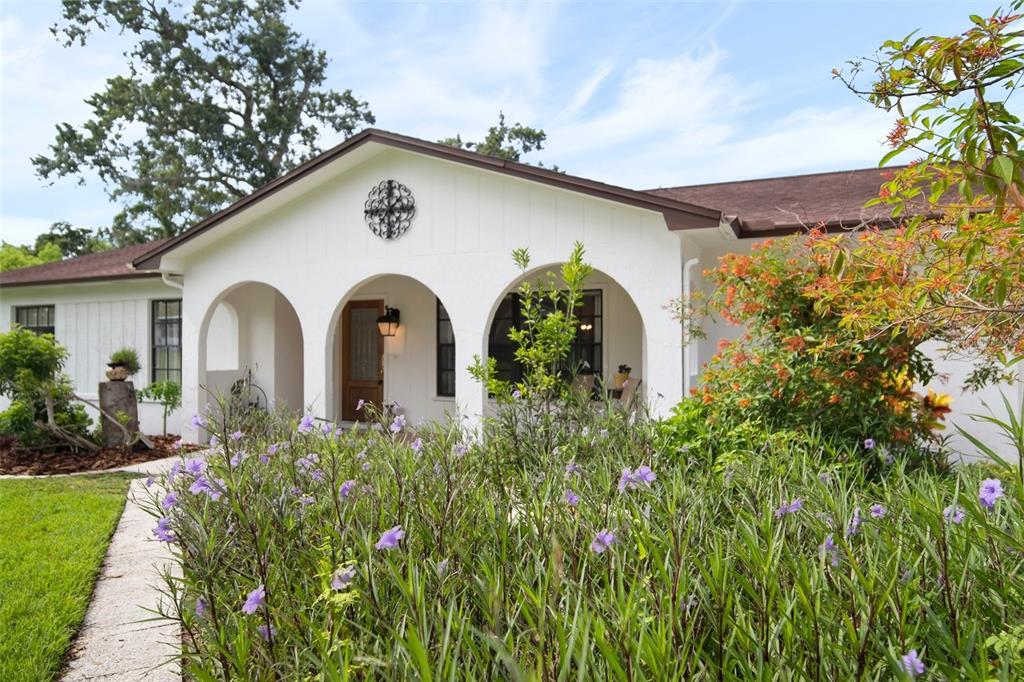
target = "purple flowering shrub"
x: 397, y: 551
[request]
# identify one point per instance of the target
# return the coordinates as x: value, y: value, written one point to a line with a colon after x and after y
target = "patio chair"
x: 629, y: 392
x: 583, y: 383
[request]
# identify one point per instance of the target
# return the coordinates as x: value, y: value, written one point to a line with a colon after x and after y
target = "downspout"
x: 166, y: 278
x: 687, y: 342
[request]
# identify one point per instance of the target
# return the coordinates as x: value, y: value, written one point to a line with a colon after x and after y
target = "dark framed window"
x: 587, y: 350
x: 35, y: 318
x: 445, y: 353
x: 167, y: 340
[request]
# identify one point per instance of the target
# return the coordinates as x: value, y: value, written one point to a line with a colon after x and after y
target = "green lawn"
x: 53, y: 536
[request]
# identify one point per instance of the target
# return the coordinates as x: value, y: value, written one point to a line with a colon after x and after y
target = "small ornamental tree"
x: 954, y: 270
x: 42, y: 401
x: 545, y: 339
x: 797, y: 367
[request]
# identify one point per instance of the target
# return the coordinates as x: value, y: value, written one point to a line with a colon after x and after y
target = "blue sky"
x: 637, y: 94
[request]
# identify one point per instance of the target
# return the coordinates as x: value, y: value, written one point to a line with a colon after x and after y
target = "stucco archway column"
x: 193, y: 358
x: 316, y: 382
x: 470, y: 326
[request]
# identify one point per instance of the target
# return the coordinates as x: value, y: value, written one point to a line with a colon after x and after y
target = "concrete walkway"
x: 117, y: 642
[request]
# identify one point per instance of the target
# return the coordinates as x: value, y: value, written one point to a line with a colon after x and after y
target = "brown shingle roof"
x: 113, y: 264
x: 775, y: 206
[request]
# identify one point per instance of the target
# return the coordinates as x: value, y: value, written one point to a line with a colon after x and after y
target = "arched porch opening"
x: 252, y: 331
x: 610, y: 330
x: 412, y: 372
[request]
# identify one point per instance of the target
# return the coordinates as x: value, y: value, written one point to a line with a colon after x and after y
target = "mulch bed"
x: 14, y: 460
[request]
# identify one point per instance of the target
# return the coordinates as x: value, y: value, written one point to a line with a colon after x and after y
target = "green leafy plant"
x: 543, y: 342
x: 43, y: 406
x: 127, y: 358
x: 399, y: 553
x: 167, y: 393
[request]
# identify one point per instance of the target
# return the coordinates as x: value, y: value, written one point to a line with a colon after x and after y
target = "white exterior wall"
x: 318, y: 252
x: 92, y: 320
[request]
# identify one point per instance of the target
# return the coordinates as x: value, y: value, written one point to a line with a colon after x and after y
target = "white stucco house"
x: 289, y: 282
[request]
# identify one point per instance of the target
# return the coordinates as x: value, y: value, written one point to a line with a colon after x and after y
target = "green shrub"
x: 129, y: 358
x: 30, y: 372
x: 313, y: 552
x: 167, y: 393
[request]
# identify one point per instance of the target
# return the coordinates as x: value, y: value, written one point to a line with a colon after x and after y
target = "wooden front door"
x: 362, y: 358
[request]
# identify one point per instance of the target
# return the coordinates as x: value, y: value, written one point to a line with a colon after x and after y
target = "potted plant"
x: 123, y: 363
x: 622, y: 376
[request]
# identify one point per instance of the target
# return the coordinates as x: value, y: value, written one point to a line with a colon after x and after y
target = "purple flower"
x: 255, y: 599
x: 341, y: 579
x: 345, y: 490
x: 602, y: 541
x: 170, y: 499
x: 266, y: 632
x: 830, y: 550
x: 824, y: 477
x: 173, y: 473
x: 460, y: 450
x: 360, y: 404
x: 195, y: 467
x: 789, y: 508
x: 442, y: 567
x: 516, y: 394
x: 398, y: 423
x: 237, y: 435
x: 854, y: 526
x: 317, y: 475
x: 306, y: 500
x: 366, y: 466
x: 630, y: 480
x: 306, y: 424
x: 869, y: 443
x: 211, y: 489
x: 389, y: 539
x: 237, y: 458
x: 912, y: 664
x: 149, y: 482
x: 953, y: 514
x: 417, y: 446
x: 163, y: 530
x: 197, y: 422
x: 572, y: 468
x: 361, y: 455
x: 990, y: 491
x: 214, y: 440
x: 201, y: 607
x: 878, y: 511
x: 571, y: 498
x: 272, y: 450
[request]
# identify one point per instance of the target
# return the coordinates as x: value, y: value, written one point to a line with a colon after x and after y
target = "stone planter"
x: 620, y: 379
x: 117, y: 372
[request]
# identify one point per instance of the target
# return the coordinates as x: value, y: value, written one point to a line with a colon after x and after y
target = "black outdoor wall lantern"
x: 388, y: 322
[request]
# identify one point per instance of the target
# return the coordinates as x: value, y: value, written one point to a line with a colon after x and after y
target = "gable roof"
x: 679, y: 214
x: 778, y: 206
x: 115, y: 264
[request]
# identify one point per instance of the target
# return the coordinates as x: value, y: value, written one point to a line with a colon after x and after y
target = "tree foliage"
x: 220, y: 97
x: 954, y: 270
x: 14, y: 257
x: 504, y: 141
x: 72, y: 241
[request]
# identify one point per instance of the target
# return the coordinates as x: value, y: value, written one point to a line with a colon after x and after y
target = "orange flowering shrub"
x: 798, y: 366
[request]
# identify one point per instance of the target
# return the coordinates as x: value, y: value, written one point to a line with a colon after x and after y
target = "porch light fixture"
x: 387, y: 323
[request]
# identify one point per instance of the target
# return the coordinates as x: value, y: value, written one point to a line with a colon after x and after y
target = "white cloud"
x: 632, y: 113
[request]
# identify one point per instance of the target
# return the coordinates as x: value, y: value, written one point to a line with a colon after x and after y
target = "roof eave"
x: 678, y: 215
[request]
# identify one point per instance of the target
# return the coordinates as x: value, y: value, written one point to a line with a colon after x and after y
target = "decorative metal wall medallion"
x: 389, y: 209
